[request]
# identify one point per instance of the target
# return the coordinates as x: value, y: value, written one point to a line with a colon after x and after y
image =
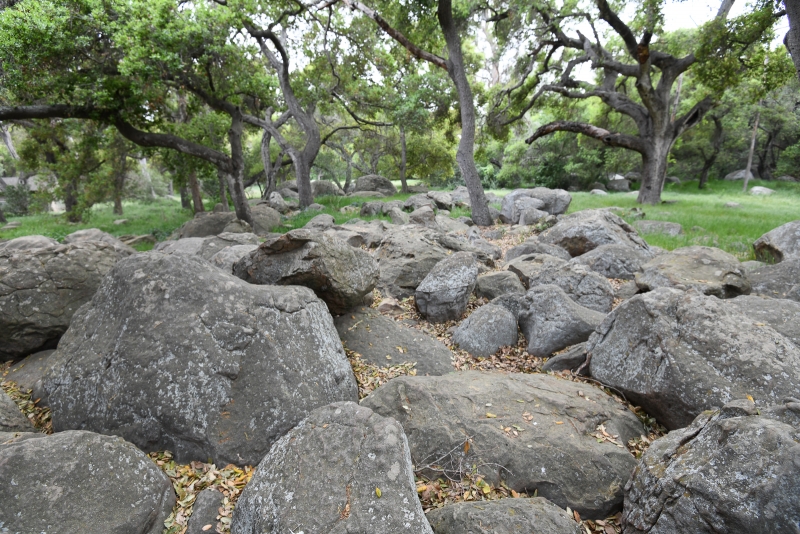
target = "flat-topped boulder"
x: 506, y: 516
x: 444, y: 293
x: 582, y: 231
x: 615, y: 261
x: 552, y: 201
x: 322, y: 188
x: 95, y: 234
x: 339, y: 274
x: 173, y: 354
x: 486, y: 330
x: 206, y: 223
x: 532, y: 431
x: 780, y: 281
x: 375, y: 182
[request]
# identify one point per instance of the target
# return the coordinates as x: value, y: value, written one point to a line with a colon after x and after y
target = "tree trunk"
x: 403, y: 184
x: 750, y: 154
x: 716, y: 146
x: 465, y: 156
x: 71, y: 201
x: 302, y: 172
x: 194, y: 187
x: 185, y: 202
x: 8, y: 141
x: 223, y: 197
x: 236, y: 178
x: 764, y: 172
x: 119, y: 185
x: 654, y: 171
x: 792, y: 39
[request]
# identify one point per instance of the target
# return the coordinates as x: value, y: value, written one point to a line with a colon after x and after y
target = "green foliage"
x: 18, y: 199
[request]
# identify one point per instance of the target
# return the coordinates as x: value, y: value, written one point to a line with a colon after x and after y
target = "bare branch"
x: 601, y: 134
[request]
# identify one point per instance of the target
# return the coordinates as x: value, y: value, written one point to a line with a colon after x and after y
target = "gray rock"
x: 659, y: 227
x: 449, y: 225
x: 782, y: 242
x: 619, y: 186
x: 378, y: 340
x: 205, y: 224
x: 206, y: 247
x: 486, y: 330
x: 600, y: 192
x: 551, y: 321
x: 265, y: 218
x: 366, y: 194
x: 761, y: 191
x: 276, y: 202
x: 95, y: 234
x: 205, y: 511
x: 515, y: 202
x: 28, y: 371
x: 786, y: 178
x: 41, y: 289
x: 423, y: 216
x: 513, y: 302
x: 586, y: 230
x: 780, y: 281
x: 374, y: 182
x: 783, y: 315
x: 571, y: 360
x: 81, y: 482
x: 532, y: 216
x: 371, y: 232
x: 707, y: 269
x: 584, y: 286
x: 496, y: 283
x: 11, y: 418
x: 322, y: 188
x: 370, y: 209
x: 315, y: 207
x: 390, y: 204
x: 532, y: 245
x: 678, y: 353
x: 187, y: 246
x: 460, y: 196
x: 28, y: 242
x: 289, y: 193
x: 338, y: 273
x: 554, y: 453
x: 354, y: 239
x: 615, y: 261
x: 739, y: 175
x: 506, y: 516
x: 415, y: 202
x: 444, y: 293
x: 343, y: 469
x: 466, y: 220
x: 323, y: 221
x: 731, y: 471
x: 173, y: 354
x: 441, y: 199
x: 226, y: 258
x: 408, y: 253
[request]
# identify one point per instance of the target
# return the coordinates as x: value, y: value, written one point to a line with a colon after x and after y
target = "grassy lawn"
x: 159, y: 218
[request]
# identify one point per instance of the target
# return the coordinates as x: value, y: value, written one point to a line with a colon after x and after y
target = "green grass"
x: 332, y: 206
x: 731, y: 229
x: 159, y: 218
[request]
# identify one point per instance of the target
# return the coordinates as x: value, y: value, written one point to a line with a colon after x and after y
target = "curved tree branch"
x: 601, y: 134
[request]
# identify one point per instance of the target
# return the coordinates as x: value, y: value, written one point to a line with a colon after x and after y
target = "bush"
x: 18, y: 199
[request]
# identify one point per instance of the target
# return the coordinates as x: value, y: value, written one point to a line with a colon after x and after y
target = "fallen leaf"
x: 378, y: 492
x: 207, y: 527
x: 490, y: 415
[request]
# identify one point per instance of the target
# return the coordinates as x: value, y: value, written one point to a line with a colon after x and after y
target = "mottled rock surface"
x: 95, y: 234
x: 582, y: 231
x: 11, y: 418
x: 486, y: 330
x: 506, y: 516
x: 444, y: 293
x: 496, y: 283
x: 781, y: 243
x: 615, y: 261
x: 780, y: 281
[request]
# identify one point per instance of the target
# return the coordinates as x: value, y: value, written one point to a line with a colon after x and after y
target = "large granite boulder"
x: 781, y: 243
x: 226, y: 258
x: 95, y: 234
x: 444, y: 293
x: 28, y: 242
x: 414, y: 202
x: 707, y: 269
x: 486, y: 330
x: 207, y: 223
x: 375, y: 182
x: 382, y: 341
x: 339, y: 274
x: 783, y: 315
x: 553, y: 201
x: 207, y: 247
x: 174, y: 354
x: 678, y: 353
x: 586, y: 230
x: 28, y: 372
x: 276, y: 202
x: 659, y: 227
x: 506, y: 516
x: 79, y: 481
x: 780, y: 281
x: 441, y: 199
x: 517, y: 202
x: 11, y: 418
x: 551, y: 321
x: 42, y: 287
x: 370, y: 209
x: 532, y: 245
x: 342, y: 469
x: 408, y: 253
x: 735, y: 471
x: 584, y: 286
x: 423, y: 216
x: 323, y: 188
x: 532, y: 431
x: 615, y: 261
x: 496, y: 283
x: 265, y: 218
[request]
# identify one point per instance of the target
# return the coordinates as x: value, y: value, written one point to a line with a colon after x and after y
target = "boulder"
x: 206, y: 223
x: 323, y: 221
x: 672, y: 180
x: 423, y: 216
x: 513, y: 302
x: 584, y: 286
x: 496, y: 283
x: 398, y: 216
x: 27, y: 243
x: 374, y: 182
x: 460, y: 196
x: 276, y: 202
x: 556, y: 201
x: 570, y: 360
x: 761, y: 191
x: 441, y: 199
x: 733, y: 471
x: 323, y: 188
x: 95, y: 234
x: 79, y: 481
x: 615, y: 261
x: 449, y: 225
x: 291, y: 185
x: 226, y: 258
x: 707, y: 269
x: 342, y: 469
x: 782, y: 242
x: 486, y: 330
x: 783, y: 315
x: 205, y: 511
x: 206, y: 247
x: 366, y: 194
x: 532, y: 431
x: 173, y: 354
x: 678, y: 353
x: 786, y: 178
x: 532, y: 216
x: 739, y: 175
x: 11, y: 418
x: 532, y: 245
x: 28, y: 372
x: 382, y: 341
x: 599, y: 192
x: 619, y: 186
x: 444, y: 293
x: 289, y: 193
x: 265, y: 218
x: 390, y: 204
x: 780, y: 281
x: 415, y: 202
x: 659, y: 227
x: 417, y: 189
x: 339, y: 274
x: 506, y: 516
x: 586, y: 230
x: 517, y: 201
x: 354, y: 239
x: 371, y: 232
x: 551, y: 321
x: 41, y: 288
x: 408, y: 253
x: 370, y: 209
